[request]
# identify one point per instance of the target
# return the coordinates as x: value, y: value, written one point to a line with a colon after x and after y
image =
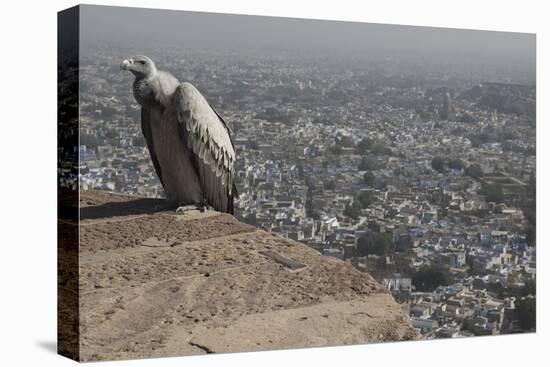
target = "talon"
x: 186, y: 208
x: 204, y: 205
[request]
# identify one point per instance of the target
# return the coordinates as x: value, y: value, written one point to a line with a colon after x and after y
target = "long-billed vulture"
x: 189, y: 143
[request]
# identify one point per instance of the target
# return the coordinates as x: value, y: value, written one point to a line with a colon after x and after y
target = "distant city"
x: 421, y: 177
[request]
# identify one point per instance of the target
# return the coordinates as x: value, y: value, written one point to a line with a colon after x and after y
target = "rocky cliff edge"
x: 155, y: 283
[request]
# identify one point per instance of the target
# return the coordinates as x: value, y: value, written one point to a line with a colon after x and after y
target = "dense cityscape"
x: 420, y: 176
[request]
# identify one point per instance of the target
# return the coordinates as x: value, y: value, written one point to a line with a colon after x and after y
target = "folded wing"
x: 148, y: 135
x: 208, y: 137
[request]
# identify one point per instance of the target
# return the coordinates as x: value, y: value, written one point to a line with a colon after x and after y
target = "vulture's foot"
x: 186, y: 208
x: 205, y: 206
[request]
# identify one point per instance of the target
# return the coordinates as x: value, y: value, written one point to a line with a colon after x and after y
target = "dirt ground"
x: 156, y: 283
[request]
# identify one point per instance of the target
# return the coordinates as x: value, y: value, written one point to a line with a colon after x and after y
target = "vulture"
x: 189, y: 142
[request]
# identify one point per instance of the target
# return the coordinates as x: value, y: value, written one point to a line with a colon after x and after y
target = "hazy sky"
x: 181, y: 29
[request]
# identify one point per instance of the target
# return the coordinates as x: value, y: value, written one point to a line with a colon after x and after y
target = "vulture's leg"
x: 205, y: 206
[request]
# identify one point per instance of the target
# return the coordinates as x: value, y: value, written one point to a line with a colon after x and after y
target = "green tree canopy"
x: 467, y: 118
x: 363, y: 145
x: 353, y: 210
x: 365, y: 198
x: 526, y: 312
x: 474, y: 171
x: 90, y: 141
x: 368, y: 178
x: 429, y: 277
x: 335, y: 150
x: 111, y: 134
x: 438, y: 164
x: 492, y: 192
x: 456, y: 163
x: 367, y: 164
x: 379, y: 148
x: 344, y: 141
x: 329, y: 185
x: 374, y: 243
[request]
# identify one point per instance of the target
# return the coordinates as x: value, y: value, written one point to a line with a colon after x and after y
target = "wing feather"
x: 148, y: 135
x: 208, y: 136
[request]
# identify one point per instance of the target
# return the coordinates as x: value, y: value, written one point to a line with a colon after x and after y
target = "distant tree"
x: 353, y: 210
x: 438, y: 164
x: 329, y: 185
x: 379, y: 148
x: 90, y: 141
x: 480, y: 213
x: 474, y: 171
x: 459, y: 131
x: 429, y: 277
x: 363, y: 145
x: 108, y: 111
x: 484, y: 138
x: 492, y: 192
x: 374, y: 243
x: 531, y: 233
x: 320, y: 120
x: 368, y: 178
x: 367, y: 164
x: 506, y: 135
x: 474, y: 140
x: 365, y: 198
x: 111, y: 134
x: 251, y: 219
x: 335, y: 149
x: 403, y: 242
x: 530, y: 287
x: 310, y: 211
x: 466, y: 117
x: 456, y: 163
x: 344, y: 141
x: 270, y: 114
x: 529, y: 208
x: 403, y: 265
x: 115, y: 142
x: 526, y: 312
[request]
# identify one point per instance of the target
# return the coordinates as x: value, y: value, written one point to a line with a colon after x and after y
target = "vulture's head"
x: 140, y: 66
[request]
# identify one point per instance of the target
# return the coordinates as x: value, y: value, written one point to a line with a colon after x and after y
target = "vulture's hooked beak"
x: 125, y: 65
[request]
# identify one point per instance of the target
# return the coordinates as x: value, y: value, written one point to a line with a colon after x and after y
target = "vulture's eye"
x: 142, y: 62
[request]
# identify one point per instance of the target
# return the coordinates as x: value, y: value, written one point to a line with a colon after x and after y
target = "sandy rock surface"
x: 157, y: 283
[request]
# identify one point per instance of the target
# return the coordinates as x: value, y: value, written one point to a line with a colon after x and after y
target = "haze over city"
x: 449, y: 49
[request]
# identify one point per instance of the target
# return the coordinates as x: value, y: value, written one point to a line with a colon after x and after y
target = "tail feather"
x: 230, y: 199
x: 230, y: 209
